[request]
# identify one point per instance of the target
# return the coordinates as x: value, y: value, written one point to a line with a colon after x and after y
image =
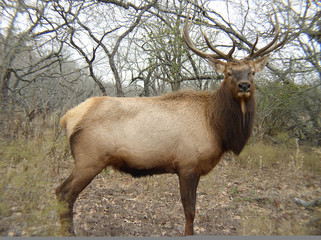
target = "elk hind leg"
x: 188, y: 185
x: 68, y: 192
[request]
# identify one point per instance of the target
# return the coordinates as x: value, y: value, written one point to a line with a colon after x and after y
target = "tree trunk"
x: 4, y: 88
x: 119, y: 88
x: 176, y: 85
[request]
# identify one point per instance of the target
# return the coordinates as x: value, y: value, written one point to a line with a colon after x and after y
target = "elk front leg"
x: 188, y: 185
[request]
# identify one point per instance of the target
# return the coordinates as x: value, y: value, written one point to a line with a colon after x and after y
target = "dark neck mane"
x: 227, y: 120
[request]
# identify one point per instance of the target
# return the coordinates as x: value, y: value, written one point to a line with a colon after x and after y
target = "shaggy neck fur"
x: 228, y: 121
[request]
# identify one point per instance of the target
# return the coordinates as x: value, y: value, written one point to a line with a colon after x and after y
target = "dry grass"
x: 251, y: 194
x: 29, y: 169
x: 261, y: 196
x: 289, y: 156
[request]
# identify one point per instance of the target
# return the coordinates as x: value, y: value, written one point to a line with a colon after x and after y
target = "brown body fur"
x: 163, y: 134
x: 138, y: 135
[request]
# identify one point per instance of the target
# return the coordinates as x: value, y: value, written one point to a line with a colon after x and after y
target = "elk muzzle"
x: 244, y: 89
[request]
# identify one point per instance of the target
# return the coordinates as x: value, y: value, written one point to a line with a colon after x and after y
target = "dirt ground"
x: 230, y: 201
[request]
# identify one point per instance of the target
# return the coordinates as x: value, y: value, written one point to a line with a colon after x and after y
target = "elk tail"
x: 63, y: 121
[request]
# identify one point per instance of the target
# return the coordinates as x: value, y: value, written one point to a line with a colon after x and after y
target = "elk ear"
x: 260, y: 63
x: 218, y: 65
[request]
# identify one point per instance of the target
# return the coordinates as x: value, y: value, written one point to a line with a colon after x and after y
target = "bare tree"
x: 27, y: 43
x: 140, y: 43
x: 109, y: 38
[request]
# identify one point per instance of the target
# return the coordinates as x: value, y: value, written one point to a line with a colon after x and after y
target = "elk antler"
x: 221, y: 54
x: 272, y: 45
x: 190, y: 44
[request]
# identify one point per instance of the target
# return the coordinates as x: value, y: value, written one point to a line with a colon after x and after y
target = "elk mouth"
x: 244, y: 94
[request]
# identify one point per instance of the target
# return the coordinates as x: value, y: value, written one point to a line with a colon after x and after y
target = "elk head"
x: 239, y: 73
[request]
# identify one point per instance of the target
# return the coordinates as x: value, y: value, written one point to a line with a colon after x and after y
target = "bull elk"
x: 184, y: 133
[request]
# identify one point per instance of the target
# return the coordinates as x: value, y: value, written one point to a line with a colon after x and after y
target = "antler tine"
x: 190, y: 44
x: 272, y: 45
x: 267, y: 48
x: 220, y: 55
x: 277, y: 45
x: 254, y: 45
x: 232, y: 50
x: 187, y: 39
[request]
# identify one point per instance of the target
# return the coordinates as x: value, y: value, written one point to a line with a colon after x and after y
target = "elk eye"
x: 253, y: 73
x: 229, y: 74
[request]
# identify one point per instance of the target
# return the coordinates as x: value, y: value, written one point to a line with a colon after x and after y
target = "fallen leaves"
x: 259, y: 203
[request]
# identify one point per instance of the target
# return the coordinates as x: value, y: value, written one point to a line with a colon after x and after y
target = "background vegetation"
x: 55, y: 54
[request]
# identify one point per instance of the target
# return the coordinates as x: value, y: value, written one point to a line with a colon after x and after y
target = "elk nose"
x: 244, y: 86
